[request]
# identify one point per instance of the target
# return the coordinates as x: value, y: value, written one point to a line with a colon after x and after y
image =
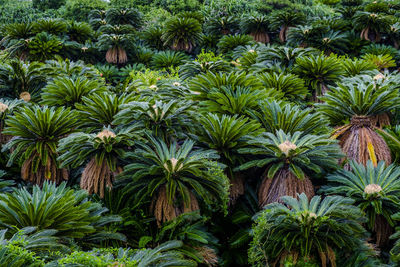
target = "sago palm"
x: 101, y: 151
x: 371, y: 25
x: 58, y: 208
x: 182, y: 34
x: 36, y: 132
x: 65, y: 91
x: 226, y: 135
x: 365, y: 105
x: 116, y: 46
x: 21, y: 80
x: 16, y: 38
x: 278, y: 115
x: 283, y: 20
x: 319, y: 72
x: 175, y: 177
x: 375, y: 191
x: 257, y: 27
x: 128, y: 16
x: 289, y: 160
x: 6, y: 109
x: 306, y: 230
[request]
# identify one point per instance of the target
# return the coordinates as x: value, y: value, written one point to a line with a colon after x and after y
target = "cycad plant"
x: 16, y: 39
x: 51, y: 26
x: 229, y: 42
x: 182, y: 34
x: 375, y: 191
x: 128, y: 16
x: 257, y: 27
x: 292, y: 87
x: 98, y: 110
x: 363, y: 104
x: 371, y: 25
x: 102, y: 151
x: 306, y: 232
x: 116, y: 46
x: 65, y: 91
x: 67, y: 212
x: 283, y: 20
x: 167, y: 59
x: 226, y: 135
x: 21, y: 80
x: 222, y: 25
x: 6, y: 109
x: 289, y: 160
x: 36, y: 132
x: 319, y: 72
x: 44, y: 46
x: 175, y: 178
x: 279, y: 115
x: 79, y: 31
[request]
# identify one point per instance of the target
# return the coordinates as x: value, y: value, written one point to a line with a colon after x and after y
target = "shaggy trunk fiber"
x: 182, y: 46
x: 368, y: 35
x: 165, y: 210
x: 261, y: 37
x: 210, y: 258
x: 49, y: 172
x: 96, y: 177
x: 361, y: 143
x: 283, y: 33
x: 284, y: 183
x: 237, y: 187
x: 382, y: 230
x: 116, y: 55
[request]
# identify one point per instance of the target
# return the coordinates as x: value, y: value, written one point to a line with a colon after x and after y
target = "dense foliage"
x: 199, y: 133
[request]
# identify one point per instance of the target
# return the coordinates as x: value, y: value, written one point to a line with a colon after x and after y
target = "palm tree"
x: 21, y: 80
x: 318, y: 72
x: 257, y: 27
x: 65, y: 211
x: 286, y: 56
x: 65, y: 91
x: 366, y: 105
x: 102, y: 150
x: 36, y: 132
x: 182, y: 34
x: 44, y: 46
x: 79, y: 31
x: 303, y: 231
x: 374, y: 190
x: 354, y: 67
x: 371, y: 25
x: 175, y: 177
x: 6, y: 109
x: 226, y: 135
x: 229, y: 42
x: 167, y: 59
x: 289, y: 160
x: 56, y: 27
x: 283, y: 20
x: 222, y: 25
x: 394, y: 34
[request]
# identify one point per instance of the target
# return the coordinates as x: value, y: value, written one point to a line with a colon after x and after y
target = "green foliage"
x: 374, y: 189
x: 167, y: 59
x: 310, y: 154
x: 306, y: 229
x: 47, y: 4
x: 44, y: 46
x: 67, y: 92
x: 364, y: 99
x: 62, y: 209
x: 79, y: 10
x: 229, y: 42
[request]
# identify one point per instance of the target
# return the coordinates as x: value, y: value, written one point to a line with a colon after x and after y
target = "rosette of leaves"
x: 128, y: 16
x: 371, y: 25
x: 286, y: 56
x: 257, y: 27
x: 227, y: 134
x: 66, y: 212
x: 193, y: 68
x: 222, y: 25
x: 366, y: 106
x: 165, y: 119
x: 229, y: 42
x: 289, y: 160
x: 153, y: 37
x: 354, y: 67
x: 176, y: 178
x: 306, y: 231
x: 21, y: 80
x: 79, y: 31
x: 56, y: 27
x: 116, y: 46
x: 182, y: 34
x: 167, y: 59
x: 279, y: 115
x: 65, y: 91
x: 16, y: 37
x: 44, y: 46
x: 318, y: 72
x: 6, y: 109
x: 98, y: 110
x: 102, y: 151
x: 283, y: 20
x: 374, y: 190
x: 36, y: 132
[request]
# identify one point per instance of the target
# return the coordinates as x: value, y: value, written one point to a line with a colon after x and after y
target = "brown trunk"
x: 284, y: 183
x: 382, y: 230
x: 261, y: 37
x: 237, y: 187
